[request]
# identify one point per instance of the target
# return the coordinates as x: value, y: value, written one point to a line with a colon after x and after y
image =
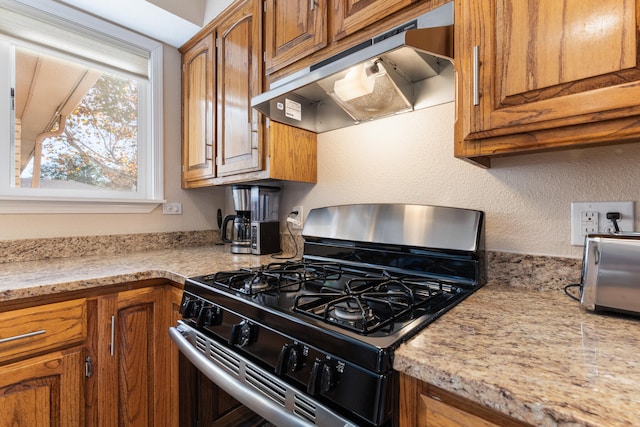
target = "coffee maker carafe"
x: 241, y: 232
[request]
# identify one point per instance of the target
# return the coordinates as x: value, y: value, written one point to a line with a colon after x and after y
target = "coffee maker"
x: 265, y: 227
x: 241, y: 232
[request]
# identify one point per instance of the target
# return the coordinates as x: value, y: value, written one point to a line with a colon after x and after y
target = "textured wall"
x: 409, y: 159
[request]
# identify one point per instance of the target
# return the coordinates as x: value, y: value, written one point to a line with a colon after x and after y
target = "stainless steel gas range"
x: 311, y: 342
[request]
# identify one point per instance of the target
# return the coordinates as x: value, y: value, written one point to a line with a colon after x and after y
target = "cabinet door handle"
x: 113, y: 335
x: 22, y: 336
x: 312, y: 4
x: 476, y: 75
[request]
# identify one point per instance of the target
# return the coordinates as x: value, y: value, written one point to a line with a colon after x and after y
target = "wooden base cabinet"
x: 424, y: 405
x: 133, y: 372
x: 104, y: 360
x: 42, y: 365
x: 541, y: 75
x: 43, y: 391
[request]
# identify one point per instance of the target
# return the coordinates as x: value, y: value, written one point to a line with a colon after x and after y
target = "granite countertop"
x: 535, y: 355
x: 524, y: 349
x: 42, y: 277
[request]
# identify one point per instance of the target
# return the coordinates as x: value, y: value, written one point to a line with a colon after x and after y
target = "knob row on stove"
x: 205, y: 314
x: 324, y: 373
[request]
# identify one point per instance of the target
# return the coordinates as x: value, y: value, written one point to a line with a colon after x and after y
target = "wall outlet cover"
x: 591, y: 218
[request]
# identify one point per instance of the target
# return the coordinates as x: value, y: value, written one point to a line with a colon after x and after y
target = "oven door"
x: 260, y: 391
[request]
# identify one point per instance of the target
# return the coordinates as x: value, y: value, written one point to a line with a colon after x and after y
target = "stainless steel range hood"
x: 405, y: 69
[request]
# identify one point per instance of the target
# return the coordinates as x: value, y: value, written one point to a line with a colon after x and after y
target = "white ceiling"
x: 167, y: 21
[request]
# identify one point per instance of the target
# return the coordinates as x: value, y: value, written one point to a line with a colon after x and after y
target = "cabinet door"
x: 134, y: 372
x: 354, y: 15
x: 423, y: 404
x: 542, y: 65
x: 43, y: 391
x: 239, y: 137
x: 293, y: 30
x: 198, y: 111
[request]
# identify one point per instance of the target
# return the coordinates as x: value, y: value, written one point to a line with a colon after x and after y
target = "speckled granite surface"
x: 534, y: 355
x: 65, y: 247
x: 518, y: 345
x: 34, y: 278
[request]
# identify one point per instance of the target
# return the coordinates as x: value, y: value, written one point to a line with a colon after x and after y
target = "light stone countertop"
x: 534, y: 355
x: 527, y: 351
x: 43, y: 277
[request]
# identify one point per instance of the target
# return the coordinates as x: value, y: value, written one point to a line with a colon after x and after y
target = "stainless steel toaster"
x: 611, y: 273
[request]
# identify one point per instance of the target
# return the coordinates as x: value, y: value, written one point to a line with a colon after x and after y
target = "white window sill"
x: 71, y: 206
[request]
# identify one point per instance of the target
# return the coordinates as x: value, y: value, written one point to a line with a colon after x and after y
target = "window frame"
x: 150, y: 192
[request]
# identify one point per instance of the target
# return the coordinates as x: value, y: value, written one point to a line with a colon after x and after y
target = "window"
x: 82, y: 129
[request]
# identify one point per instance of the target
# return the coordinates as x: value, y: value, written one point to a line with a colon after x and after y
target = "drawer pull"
x: 19, y: 337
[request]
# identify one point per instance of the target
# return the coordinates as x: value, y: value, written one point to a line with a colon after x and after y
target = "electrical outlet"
x: 591, y: 218
x: 172, y: 208
x: 296, y: 220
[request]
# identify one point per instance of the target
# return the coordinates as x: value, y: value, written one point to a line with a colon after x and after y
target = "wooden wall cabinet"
x: 304, y: 32
x: 239, y: 137
x: 198, y: 111
x: 293, y: 29
x: 545, y: 74
x: 351, y: 16
x: 239, y: 44
x: 424, y: 405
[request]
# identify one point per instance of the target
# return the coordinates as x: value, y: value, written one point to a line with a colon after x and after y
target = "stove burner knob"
x: 290, y: 359
x: 243, y: 334
x: 189, y: 308
x: 323, y: 377
x: 209, y: 315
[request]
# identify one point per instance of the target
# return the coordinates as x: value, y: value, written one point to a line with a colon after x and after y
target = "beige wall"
x: 198, y: 206
x: 212, y: 8
x: 409, y: 159
x: 406, y: 159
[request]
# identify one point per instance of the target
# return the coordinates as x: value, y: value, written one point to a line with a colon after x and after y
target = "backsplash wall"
x: 409, y: 159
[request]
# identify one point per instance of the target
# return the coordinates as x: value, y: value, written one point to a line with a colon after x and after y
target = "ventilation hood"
x: 402, y: 70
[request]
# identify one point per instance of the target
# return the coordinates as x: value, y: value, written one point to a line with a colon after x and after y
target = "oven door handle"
x: 249, y: 398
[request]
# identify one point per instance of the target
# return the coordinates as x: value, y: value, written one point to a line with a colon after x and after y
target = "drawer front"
x: 42, y: 328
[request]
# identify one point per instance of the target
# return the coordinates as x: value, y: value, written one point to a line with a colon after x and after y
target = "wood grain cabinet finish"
x: 42, y: 365
x: 304, y: 32
x: 351, y: 16
x: 42, y: 328
x: 239, y: 79
x: 43, y: 391
x: 133, y: 371
x: 293, y: 29
x: 198, y: 111
x: 545, y: 74
x: 244, y: 146
x: 424, y: 405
